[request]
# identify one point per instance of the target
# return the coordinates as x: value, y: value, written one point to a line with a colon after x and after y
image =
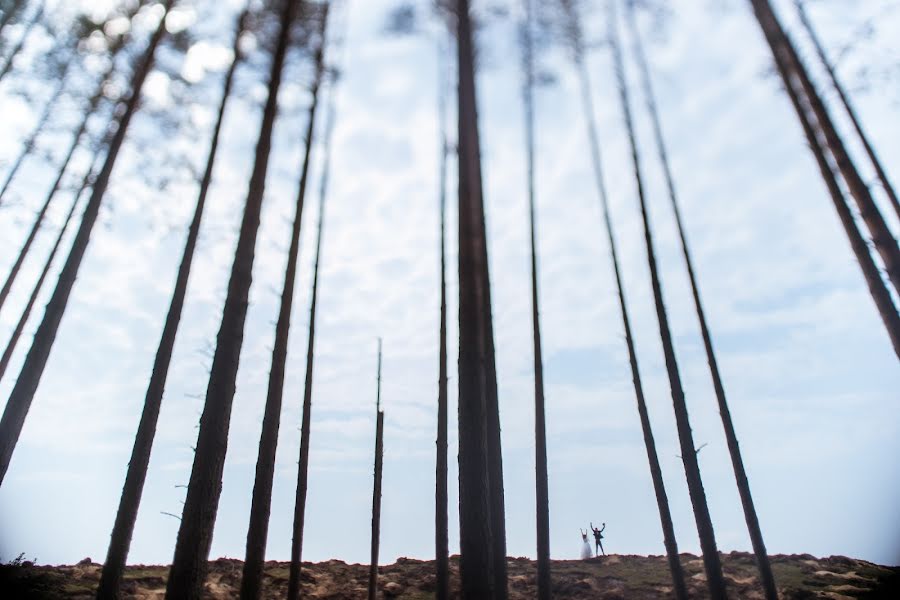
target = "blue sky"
x: 810, y: 373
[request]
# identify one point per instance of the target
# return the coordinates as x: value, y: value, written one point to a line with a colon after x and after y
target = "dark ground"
x: 608, y: 578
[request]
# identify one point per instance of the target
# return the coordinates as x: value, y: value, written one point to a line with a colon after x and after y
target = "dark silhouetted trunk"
x: 851, y: 112
x: 659, y: 488
x: 767, y: 579
x: 791, y: 65
x: 257, y: 533
x: 189, y: 564
x: 714, y: 579
x: 27, y: 383
x: 480, y: 575
x: 29, y: 146
x: 376, y: 488
x: 441, y: 527
x: 11, y: 57
x: 129, y: 503
x: 542, y: 494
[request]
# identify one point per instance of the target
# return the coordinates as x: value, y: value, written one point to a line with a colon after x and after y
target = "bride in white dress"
x: 586, y: 551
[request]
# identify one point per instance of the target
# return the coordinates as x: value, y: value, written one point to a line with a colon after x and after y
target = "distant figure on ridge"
x: 586, y: 551
x: 598, y: 535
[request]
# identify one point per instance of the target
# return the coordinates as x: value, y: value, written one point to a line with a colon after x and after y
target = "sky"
x: 810, y: 374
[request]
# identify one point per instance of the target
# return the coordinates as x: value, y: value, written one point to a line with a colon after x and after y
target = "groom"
x: 598, y: 535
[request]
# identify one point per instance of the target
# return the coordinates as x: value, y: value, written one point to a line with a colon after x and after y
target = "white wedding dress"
x: 586, y: 551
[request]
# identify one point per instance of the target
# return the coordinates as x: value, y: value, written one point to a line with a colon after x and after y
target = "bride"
x: 586, y: 551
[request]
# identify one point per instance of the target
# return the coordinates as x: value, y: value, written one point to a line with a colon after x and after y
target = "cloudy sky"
x: 810, y: 373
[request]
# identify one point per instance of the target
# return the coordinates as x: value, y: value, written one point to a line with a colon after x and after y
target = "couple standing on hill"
x: 586, y: 551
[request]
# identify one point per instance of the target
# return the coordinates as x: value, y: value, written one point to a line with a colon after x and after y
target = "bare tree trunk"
x: 251, y: 583
x: 851, y: 112
x: 48, y: 263
x: 189, y: 565
x: 129, y: 503
x: 659, y: 488
x: 711, y: 561
x: 767, y: 578
x: 39, y: 13
x: 441, y: 527
x: 477, y: 546
x: 26, y: 385
x: 780, y: 44
x: 376, y: 490
x: 28, y: 146
x: 542, y: 494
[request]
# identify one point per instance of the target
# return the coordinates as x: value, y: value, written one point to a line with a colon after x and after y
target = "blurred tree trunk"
x: 714, y: 578
x: 189, y: 564
x: 27, y: 383
x: 129, y: 503
x: 542, y: 494
x: 11, y: 57
x: 767, y: 578
x: 851, y: 112
x: 793, y: 72
x: 257, y: 534
x: 376, y: 489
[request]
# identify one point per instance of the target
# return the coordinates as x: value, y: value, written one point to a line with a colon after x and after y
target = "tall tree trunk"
x: 851, y: 112
x: 711, y: 561
x: 820, y: 147
x: 303, y: 468
x: 189, y: 564
x: 28, y: 146
x: 781, y: 45
x: 659, y: 488
x: 478, y: 564
x: 11, y: 12
x: 376, y: 488
x: 39, y: 13
x: 542, y: 494
x: 48, y: 263
x: 441, y: 527
x: 76, y: 141
x: 129, y: 503
x: 251, y: 583
x: 767, y: 578
x: 27, y: 383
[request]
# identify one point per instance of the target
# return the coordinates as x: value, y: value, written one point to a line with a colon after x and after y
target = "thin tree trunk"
x: 27, y: 383
x: 477, y: 546
x: 26, y: 312
x: 10, y: 13
x: 251, y: 583
x: 441, y: 527
x: 711, y: 561
x: 659, y: 488
x: 303, y: 470
x: 767, y: 578
x: 542, y: 494
x: 7, y: 67
x: 39, y: 219
x: 189, y: 565
x: 129, y: 503
x: 780, y: 44
x: 28, y: 146
x: 851, y: 112
x: 376, y: 489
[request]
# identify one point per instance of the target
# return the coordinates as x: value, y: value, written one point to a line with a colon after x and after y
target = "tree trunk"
x: 7, y: 67
x: 767, y: 578
x: 251, y: 583
x: 662, y: 500
x: 542, y: 494
x: 129, y: 503
x: 851, y: 112
x: 477, y: 546
x: 189, y: 564
x: 376, y: 489
x: 441, y: 527
x: 26, y: 385
x: 818, y: 144
x: 780, y: 44
x: 712, y: 564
